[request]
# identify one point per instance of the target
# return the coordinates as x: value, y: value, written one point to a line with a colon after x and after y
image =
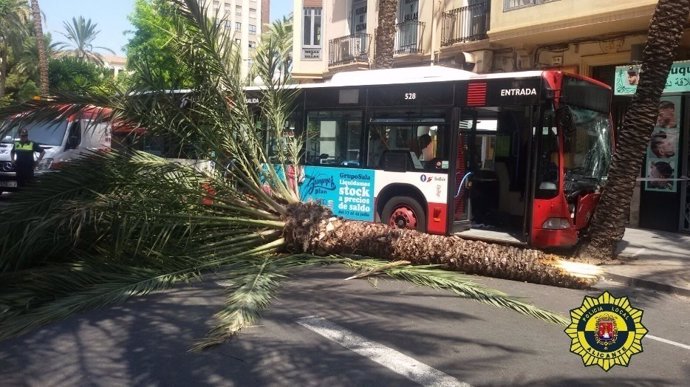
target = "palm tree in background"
x: 80, y: 35
x: 40, y: 44
x: 13, y: 20
x: 139, y: 223
x: 385, y: 34
x: 610, y: 217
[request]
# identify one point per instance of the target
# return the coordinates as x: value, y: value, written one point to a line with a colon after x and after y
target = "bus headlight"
x: 556, y: 224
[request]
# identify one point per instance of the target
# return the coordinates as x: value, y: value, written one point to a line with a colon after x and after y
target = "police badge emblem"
x: 606, y: 331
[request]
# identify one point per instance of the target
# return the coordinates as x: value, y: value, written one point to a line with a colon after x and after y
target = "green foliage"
x: 151, y: 46
x: 435, y: 277
x: 14, y: 31
x: 72, y: 75
x: 80, y: 36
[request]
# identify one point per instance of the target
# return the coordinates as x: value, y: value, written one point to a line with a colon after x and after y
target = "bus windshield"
x: 587, y: 144
x: 42, y: 132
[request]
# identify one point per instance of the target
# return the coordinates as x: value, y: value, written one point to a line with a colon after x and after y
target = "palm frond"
x: 249, y: 294
x: 33, y: 298
x: 434, y: 277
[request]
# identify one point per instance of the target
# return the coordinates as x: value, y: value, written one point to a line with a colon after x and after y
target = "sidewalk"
x: 653, y: 259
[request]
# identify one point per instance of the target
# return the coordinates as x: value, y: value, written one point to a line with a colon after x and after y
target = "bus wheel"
x: 404, y: 212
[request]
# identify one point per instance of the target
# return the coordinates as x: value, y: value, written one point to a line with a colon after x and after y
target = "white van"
x: 63, y: 140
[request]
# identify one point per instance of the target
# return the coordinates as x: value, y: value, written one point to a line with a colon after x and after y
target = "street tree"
x: 80, y: 35
x: 150, y: 46
x: 385, y: 34
x: 72, y: 75
x: 610, y: 217
x: 41, y: 48
x: 13, y: 30
x: 138, y: 223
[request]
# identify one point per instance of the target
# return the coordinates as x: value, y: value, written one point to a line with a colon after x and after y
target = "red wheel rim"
x: 403, y: 217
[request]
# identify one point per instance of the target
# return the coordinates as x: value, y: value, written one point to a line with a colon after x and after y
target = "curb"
x: 640, y: 283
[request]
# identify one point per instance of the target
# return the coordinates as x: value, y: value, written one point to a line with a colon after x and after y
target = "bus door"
x: 462, y: 170
x: 493, y: 160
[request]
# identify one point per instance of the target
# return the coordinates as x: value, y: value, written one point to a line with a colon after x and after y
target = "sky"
x: 110, y: 17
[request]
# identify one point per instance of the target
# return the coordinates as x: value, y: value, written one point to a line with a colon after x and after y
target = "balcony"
x: 466, y: 24
x: 349, y: 49
x: 408, y: 37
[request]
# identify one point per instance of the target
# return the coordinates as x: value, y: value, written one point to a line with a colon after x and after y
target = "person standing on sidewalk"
x: 23, y: 158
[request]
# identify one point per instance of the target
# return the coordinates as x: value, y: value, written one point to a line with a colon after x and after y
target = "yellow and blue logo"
x: 606, y: 331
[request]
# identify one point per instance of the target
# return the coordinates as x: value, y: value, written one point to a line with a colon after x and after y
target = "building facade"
x: 245, y: 20
x: 115, y: 63
x: 588, y: 37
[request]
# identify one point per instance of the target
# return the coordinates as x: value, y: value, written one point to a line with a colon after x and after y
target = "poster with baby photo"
x: 662, y: 152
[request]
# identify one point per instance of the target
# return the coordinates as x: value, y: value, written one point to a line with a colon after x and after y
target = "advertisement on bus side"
x: 347, y: 192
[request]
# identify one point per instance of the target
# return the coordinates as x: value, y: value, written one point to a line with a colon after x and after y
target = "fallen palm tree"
x: 116, y: 225
x: 310, y: 228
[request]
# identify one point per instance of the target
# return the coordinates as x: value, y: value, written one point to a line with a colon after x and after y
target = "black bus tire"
x: 406, y: 213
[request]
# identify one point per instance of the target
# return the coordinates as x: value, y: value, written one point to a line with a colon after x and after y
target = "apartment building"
x: 245, y: 20
x: 589, y: 37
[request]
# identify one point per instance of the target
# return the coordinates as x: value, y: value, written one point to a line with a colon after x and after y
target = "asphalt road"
x: 394, y: 334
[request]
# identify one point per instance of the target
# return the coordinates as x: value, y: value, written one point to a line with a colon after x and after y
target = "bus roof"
x: 404, y: 75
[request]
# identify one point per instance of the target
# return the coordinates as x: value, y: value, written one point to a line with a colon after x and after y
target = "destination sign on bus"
x: 514, y: 92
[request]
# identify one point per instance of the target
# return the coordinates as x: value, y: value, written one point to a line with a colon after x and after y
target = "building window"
x: 409, y: 11
x: 251, y: 44
x: 359, y: 17
x: 238, y: 26
x: 252, y: 12
x: 311, y: 42
x: 312, y: 27
x: 252, y: 29
x: 238, y: 10
x: 509, y: 5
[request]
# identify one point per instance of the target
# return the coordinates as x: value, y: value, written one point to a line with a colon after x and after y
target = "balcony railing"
x: 408, y: 37
x: 466, y: 24
x: 349, y: 49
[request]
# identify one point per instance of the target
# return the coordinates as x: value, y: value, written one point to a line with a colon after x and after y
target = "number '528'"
x: 410, y: 96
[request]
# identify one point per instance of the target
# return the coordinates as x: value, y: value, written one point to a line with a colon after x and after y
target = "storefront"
x: 664, y: 195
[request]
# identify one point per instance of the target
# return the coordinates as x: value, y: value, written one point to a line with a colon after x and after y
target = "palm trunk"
x: 385, y: 34
x: 310, y: 228
x: 41, y: 46
x: 610, y: 218
x: 3, y: 71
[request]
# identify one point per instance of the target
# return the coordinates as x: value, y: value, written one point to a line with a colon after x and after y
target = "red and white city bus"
x: 513, y: 157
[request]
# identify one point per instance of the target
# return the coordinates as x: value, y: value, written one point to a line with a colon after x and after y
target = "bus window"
x: 431, y: 148
x: 333, y: 138
x: 377, y: 145
x: 587, y: 145
x: 548, y: 164
x: 425, y: 144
